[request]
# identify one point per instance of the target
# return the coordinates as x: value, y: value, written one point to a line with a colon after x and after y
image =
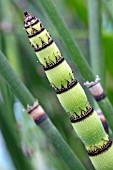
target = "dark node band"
x: 31, y: 110
x: 93, y: 84
x: 53, y: 65
x: 36, y: 22
x: 44, y: 45
x: 42, y: 118
x: 38, y: 32
x: 70, y: 85
x: 100, y: 97
x: 100, y: 150
x: 82, y: 117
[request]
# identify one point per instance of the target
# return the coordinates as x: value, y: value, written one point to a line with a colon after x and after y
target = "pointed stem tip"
x: 25, y: 14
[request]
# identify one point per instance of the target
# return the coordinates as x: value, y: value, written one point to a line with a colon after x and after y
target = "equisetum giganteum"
x: 71, y: 95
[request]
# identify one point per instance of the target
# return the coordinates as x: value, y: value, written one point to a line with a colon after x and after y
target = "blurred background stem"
x: 12, y: 142
x: 108, y: 8
x: 95, y: 38
x: 95, y: 41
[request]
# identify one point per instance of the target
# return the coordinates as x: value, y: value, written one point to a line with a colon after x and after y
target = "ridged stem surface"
x: 71, y: 95
x: 26, y: 98
x: 75, y: 53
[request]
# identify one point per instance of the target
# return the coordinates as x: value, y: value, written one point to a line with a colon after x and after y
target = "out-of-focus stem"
x: 96, y: 54
x: 11, y: 141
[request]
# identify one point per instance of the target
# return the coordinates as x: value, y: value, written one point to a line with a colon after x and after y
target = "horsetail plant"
x: 38, y: 115
x: 72, y: 97
x: 75, y: 52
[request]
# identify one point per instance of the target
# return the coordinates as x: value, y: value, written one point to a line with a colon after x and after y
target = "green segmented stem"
x: 103, y: 161
x: 59, y: 79
x: 75, y: 52
x: 26, y: 98
x: 52, y: 51
x: 90, y: 130
x: 70, y: 93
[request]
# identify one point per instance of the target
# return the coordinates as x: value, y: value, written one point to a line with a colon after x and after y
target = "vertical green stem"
x: 17, y: 86
x: 60, y: 144
x: 96, y: 54
x: 11, y: 140
x: 10, y: 42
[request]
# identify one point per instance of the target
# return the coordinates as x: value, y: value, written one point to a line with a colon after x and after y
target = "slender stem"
x: 96, y: 54
x: 75, y: 52
x: 55, y: 138
x: 72, y: 97
x: 107, y: 107
x: 16, y: 85
x: 26, y: 97
x: 11, y: 139
x: 97, y: 63
x: 11, y: 50
x: 8, y: 99
x: 69, y: 42
x: 10, y: 37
